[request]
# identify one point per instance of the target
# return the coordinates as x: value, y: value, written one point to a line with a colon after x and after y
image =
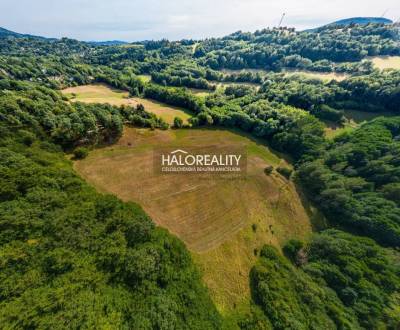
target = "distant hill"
x: 355, y: 20
x: 362, y: 20
x: 107, y: 43
x: 4, y: 33
x: 7, y: 33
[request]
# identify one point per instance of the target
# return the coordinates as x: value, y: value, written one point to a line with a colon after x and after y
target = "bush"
x: 178, y: 122
x: 286, y: 172
x: 27, y: 138
x: 291, y: 248
x: 268, y: 170
x: 194, y: 121
x: 80, y: 153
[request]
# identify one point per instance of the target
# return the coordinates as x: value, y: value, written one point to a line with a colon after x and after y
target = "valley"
x: 93, y: 235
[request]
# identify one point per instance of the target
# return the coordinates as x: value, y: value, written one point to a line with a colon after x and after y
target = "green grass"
x: 360, y: 117
x: 145, y: 78
x: 354, y: 118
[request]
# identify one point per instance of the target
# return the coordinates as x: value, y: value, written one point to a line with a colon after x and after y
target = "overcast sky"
x: 132, y: 20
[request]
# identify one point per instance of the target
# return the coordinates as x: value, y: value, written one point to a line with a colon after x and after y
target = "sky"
x: 133, y: 20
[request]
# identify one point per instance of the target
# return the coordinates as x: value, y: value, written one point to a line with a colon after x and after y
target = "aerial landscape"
x: 96, y: 233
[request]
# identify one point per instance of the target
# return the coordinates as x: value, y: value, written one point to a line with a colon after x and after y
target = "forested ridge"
x: 73, y: 258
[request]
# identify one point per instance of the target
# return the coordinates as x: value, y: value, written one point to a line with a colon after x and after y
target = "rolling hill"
x: 355, y: 20
x: 4, y: 33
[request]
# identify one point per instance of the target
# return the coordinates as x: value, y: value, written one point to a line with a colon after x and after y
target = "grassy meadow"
x: 222, y: 222
x: 386, y: 62
x: 325, y: 76
x: 100, y: 93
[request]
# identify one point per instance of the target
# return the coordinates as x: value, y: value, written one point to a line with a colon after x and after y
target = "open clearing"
x: 386, y: 62
x: 354, y: 118
x: 145, y: 78
x: 326, y: 76
x: 100, y: 93
x: 221, y: 221
x: 238, y: 71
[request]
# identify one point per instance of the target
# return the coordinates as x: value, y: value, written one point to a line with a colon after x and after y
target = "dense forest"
x: 337, y: 281
x: 72, y: 258
x: 331, y: 48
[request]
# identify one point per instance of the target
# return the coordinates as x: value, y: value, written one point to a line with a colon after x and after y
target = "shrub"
x: 268, y: 170
x: 291, y: 249
x: 27, y: 138
x: 178, y: 122
x: 286, y: 172
x: 80, y: 153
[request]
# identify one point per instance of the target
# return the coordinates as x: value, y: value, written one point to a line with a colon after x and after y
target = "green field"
x: 100, y: 93
x: 214, y: 217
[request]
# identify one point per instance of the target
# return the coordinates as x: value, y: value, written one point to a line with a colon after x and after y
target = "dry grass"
x: 386, y: 62
x: 100, y: 93
x: 200, y: 92
x: 308, y: 74
x: 319, y: 75
x: 97, y: 93
x: 238, y: 71
x: 214, y: 217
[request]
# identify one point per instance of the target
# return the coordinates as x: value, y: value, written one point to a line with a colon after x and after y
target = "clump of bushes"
x: 80, y: 153
x: 292, y: 248
x: 268, y: 170
x: 178, y: 122
x: 286, y: 172
x: 27, y: 137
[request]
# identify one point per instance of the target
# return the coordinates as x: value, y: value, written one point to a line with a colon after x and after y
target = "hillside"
x: 7, y: 33
x: 362, y: 20
x: 354, y: 20
x: 213, y: 216
x: 94, y: 236
x: 4, y: 33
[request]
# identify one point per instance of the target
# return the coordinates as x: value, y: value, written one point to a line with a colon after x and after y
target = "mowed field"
x: 386, y: 62
x: 222, y: 221
x: 100, y: 93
